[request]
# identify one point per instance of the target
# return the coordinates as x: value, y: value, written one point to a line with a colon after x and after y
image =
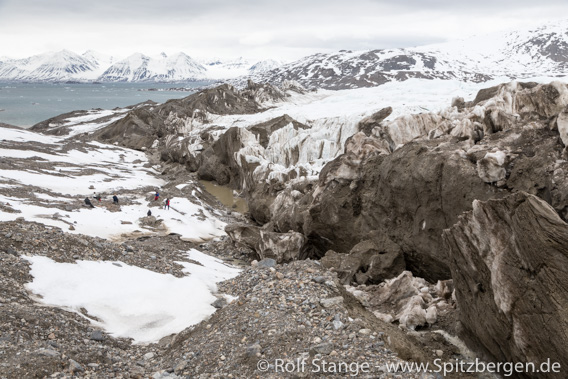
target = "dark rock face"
x: 217, y: 162
x: 508, y: 259
x: 411, y: 195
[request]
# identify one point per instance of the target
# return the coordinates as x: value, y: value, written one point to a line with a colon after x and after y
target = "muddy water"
x: 225, y: 196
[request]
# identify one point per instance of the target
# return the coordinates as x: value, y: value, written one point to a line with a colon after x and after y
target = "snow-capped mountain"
x: 520, y: 54
x: 55, y: 66
x: 536, y: 52
x: 92, y: 66
x: 102, y: 61
x: 141, y: 68
x: 265, y: 65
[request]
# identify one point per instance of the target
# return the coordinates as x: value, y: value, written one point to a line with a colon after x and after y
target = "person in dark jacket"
x: 88, y: 202
x: 167, y: 204
x: 115, y: 199
x: 149, y: 213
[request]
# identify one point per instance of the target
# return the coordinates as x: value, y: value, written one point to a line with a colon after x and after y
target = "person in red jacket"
x: 167, y: 204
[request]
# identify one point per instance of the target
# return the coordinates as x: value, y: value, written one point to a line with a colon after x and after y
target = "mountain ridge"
x: 92, y: 66
x: 520, y: 54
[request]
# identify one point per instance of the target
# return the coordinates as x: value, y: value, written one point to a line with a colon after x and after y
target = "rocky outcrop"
x: 137, y: 130
x: 143, y: 126
x: 508, y: 260
x: 282, y: 247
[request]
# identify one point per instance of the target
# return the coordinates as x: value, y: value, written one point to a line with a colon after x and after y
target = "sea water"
x: 26, y: 104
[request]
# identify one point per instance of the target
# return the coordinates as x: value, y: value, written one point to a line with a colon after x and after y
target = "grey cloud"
x: 218, y: 26
x: 153, y: 11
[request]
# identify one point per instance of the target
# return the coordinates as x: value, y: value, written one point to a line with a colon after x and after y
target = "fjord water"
x: 25, y: 104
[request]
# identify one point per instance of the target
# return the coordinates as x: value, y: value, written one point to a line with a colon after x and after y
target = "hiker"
x: 149, y: 213
x: 88, y: 202
x: 167, y: 204
x: 115, y: 199
x: 95, y: 196
x: 156, y: 196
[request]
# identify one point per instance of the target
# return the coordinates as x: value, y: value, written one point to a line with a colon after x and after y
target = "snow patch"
x: 130, y: 301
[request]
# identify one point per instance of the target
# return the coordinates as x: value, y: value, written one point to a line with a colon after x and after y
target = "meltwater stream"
x: 225, y: 195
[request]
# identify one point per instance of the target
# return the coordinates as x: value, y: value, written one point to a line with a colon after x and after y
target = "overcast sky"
x: 255, y: 28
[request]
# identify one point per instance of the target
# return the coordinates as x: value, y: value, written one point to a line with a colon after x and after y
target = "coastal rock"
x: 506, y: 257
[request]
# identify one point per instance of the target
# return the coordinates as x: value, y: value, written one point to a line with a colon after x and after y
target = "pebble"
x: 328, y: 303
x: 267, y: 262
x: 75, y: 367
x: 324, y: 348
x: 97, y: 335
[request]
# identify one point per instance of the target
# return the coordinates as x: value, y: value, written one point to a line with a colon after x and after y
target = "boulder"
x: 245, y: 235
x: 282, y: 247
x: 508, y: 258
x: 368, y: 262
x: 406, y: 299
x: 491, y: 168
x: 562, y: 124
x: 344, y: 265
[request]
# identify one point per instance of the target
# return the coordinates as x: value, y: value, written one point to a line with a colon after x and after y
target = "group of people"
x: 99, y: 198
x: 166, y: 203
x: 115, y: 201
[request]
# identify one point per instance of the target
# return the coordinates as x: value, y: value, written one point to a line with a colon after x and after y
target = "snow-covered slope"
x: 66, y: 171
x: 46, y: 179
x: 226, y: 69
x: 536, y: 52
x: 140, y: 68
x: 102, y: 61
